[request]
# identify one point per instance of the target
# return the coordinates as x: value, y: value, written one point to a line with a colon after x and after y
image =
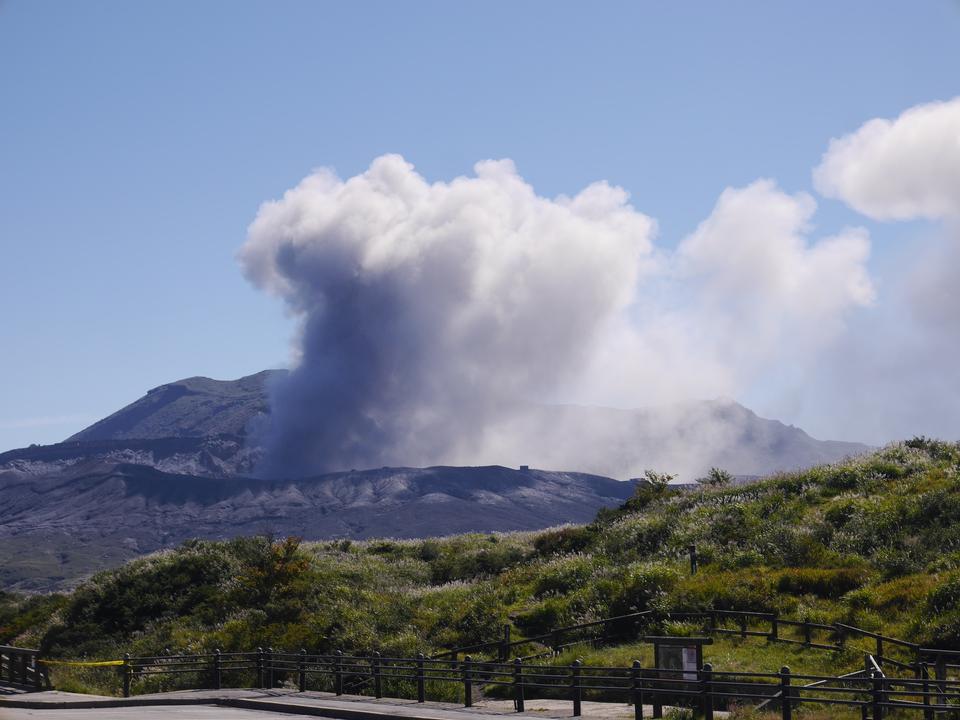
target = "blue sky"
x: 137, y: 141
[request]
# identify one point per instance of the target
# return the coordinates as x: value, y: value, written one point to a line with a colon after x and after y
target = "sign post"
x: 676, y: 658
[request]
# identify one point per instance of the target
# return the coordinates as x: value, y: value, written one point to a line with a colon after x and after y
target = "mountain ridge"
x: 179, y: 463
x: 614, y: 442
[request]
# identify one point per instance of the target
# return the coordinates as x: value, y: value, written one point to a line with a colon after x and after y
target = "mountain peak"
x: 192, y: 407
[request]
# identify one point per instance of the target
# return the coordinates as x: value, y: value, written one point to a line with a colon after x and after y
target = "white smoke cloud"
x: 766, y: 289
x: 898, y: 169
x: 430, y: 310
x: 435, y: 315
x: 748, y: 290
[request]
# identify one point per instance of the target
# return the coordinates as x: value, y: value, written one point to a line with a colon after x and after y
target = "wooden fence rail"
x: 705, y: 689
x: 19, y: 668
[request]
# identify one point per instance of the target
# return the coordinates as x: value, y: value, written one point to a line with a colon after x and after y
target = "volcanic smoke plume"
x: 430, y: 311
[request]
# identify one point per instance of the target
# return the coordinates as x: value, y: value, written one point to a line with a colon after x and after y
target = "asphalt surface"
x: 189, y: 712
x: 249, y: 703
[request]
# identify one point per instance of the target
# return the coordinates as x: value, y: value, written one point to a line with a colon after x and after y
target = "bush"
x: 563, y: 541
x: 825, y: 583
x: 939, y: 618
x: 449, y: 566
x: 751, y: 590
x: 167, y: 585
x: 564, y: 575
x: 637, y: 536
x: 642, y: 586
x: 544, y: 616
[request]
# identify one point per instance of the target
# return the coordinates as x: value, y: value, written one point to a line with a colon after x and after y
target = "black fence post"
x: 706, y: 691
x: 941, y: 670
x: 743, y: 626
x: 879, y: 656
x: 504, y: 652
x: 127, y: 672
x: 655, y: 690
x: 421, y: 691
x: 377, y: 681
x: 637, y: 690
x: 925, y: 677
x: 270, y: 682
x: 876, y: 695
x: 786, y: 705
x: 467, y: 682
x: 338, y: 672
x: 692, y: 549
x: 576, y: 691
x: 774, y: 627
x: 807, y: 633
x: 302, y: 670
x: 217, y: 669
x: 260, y: 679
x: 518, y: 684
x: 555, y: 641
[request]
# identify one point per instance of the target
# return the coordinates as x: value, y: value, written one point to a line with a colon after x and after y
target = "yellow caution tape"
x: 82, y: 664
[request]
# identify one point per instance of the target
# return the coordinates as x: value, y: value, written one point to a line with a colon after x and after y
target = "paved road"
x: 196, y: 712
x: 252, y: 704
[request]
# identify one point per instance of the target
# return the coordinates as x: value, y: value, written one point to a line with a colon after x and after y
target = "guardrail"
x: 706, y: 689
x: 770, y: 626
x: 19, y: 668
x: 445, y: 674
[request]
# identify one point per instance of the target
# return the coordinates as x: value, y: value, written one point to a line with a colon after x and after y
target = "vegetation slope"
x: 872, y: 541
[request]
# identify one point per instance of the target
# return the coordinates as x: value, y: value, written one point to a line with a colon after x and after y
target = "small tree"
x: 651, y: 487
x: 659, y: 481
x: 716, y: 477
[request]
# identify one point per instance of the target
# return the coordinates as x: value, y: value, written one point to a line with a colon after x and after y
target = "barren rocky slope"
x: 56, y: 528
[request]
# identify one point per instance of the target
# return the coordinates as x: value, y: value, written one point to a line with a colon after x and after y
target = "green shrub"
x: 826, y: 582
x: 938, y: 622
x: 564, y: 575
x: 563, y: 541
x: 544, y: 616
x: 752, y: 589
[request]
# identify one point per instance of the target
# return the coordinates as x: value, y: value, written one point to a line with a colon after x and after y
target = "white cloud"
x: 763, y: 284
x: 898, y: 373
x: 898, y: 169
x: 746, y: 291
x: 432, y: 312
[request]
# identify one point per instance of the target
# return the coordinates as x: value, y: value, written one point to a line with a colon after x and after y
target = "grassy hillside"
x: 873, y: 542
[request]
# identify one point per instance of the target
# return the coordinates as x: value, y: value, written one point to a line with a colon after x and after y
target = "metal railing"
x: 19, y: 668
x: 770, y: 626
x: 706, y: 689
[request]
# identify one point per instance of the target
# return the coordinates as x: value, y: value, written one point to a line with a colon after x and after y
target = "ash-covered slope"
x: 193, y: 407
x: 56, y: 528
x: 217, y: 456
